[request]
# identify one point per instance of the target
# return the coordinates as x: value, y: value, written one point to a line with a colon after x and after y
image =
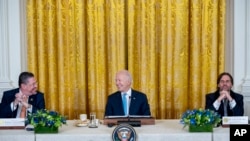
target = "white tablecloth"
x: 163, y: 130
x: 16, y: 135
x: 221, y: 134
x: 170, y: 130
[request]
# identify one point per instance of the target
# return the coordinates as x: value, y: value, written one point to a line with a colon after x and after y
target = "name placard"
x: 9, y: 123
x: 233, y: 120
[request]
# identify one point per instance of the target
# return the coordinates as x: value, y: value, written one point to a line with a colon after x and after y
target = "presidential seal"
x: 124, y: 132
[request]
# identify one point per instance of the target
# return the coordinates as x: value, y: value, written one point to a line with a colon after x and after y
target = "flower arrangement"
x: 46, y: 118
x: 200, y: 117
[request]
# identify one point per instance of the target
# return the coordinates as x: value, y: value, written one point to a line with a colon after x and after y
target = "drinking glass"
x: 92, y: 118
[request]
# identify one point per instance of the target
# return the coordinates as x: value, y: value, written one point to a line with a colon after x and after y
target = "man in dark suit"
x: 18, y: 102
x: 225, y: 101
x: 134, y: 102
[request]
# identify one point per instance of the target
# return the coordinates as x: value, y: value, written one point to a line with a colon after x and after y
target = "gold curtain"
x: 174, y: 50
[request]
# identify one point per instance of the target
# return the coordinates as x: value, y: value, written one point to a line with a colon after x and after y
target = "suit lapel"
x: 31, y: 99
x: 132, y: 102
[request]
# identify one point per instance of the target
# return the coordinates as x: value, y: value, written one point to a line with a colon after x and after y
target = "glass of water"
x: 92, y: 118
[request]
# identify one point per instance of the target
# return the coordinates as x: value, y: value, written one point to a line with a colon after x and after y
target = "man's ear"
x: 23, y: 85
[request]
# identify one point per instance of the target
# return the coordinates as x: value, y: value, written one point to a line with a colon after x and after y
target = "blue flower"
x: 200, y: 117
x: 53, y: 113
x: 46, y: 118
x: 192, y: 121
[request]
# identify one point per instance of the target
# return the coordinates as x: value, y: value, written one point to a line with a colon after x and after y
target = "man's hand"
x: 224, y: 95
x: 228, y: 96
x: 18, y: 98
x: 25, y: 101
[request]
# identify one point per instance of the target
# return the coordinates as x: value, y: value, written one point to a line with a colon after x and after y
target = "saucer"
x: 82, y: 124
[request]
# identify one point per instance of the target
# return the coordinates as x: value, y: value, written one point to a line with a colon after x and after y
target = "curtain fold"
x: 173, y: 49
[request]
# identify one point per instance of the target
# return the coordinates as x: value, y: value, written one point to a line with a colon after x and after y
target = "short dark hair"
x: 225, y: 73
x: 23, y: 77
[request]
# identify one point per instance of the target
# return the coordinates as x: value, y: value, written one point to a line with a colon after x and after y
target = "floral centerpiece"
x: 45, y: 121
x: 200, y: 120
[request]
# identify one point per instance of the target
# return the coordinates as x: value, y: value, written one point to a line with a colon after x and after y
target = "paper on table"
x: 8, y: 122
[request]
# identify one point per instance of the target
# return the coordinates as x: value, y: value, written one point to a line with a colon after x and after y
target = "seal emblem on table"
x: 124, y: 132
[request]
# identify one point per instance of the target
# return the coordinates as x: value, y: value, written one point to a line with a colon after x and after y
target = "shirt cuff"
x: 232, y: 104
x: 30, y: 108
x: 12, y: 106
x: 216, y: 104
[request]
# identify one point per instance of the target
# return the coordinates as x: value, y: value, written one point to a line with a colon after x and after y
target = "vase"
x: 203, y: 128
x: 42, y: 129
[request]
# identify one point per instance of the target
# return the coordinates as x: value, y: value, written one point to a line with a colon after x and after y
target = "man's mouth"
x: 225, y: 88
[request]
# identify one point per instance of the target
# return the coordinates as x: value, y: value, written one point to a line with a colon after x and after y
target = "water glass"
x: 92, y: 118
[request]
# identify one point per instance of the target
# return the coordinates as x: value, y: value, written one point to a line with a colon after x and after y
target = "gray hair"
x: 126, y: 72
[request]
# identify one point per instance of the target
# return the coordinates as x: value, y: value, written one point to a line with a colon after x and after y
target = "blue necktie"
x: 124, y: 101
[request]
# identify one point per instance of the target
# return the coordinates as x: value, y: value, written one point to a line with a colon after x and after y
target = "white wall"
x: 242, y: 50
x: 239, y: 43
x: 10, y: 43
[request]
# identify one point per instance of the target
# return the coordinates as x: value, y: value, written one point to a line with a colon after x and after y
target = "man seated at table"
x: 126, y: 101
x: 17, y: 102
x: 225, y: 101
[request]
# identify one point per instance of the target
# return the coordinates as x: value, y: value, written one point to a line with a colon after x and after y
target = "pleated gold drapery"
x: 174, y: 50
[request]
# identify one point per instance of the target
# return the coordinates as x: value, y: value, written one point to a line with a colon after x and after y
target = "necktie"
x: 225, y: 107
x: 124, y: 101
x: 23, y: 112
x: 24, y: 109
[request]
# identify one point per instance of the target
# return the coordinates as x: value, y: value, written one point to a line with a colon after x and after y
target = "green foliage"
x: 46, y: 118
x: 200, y: 117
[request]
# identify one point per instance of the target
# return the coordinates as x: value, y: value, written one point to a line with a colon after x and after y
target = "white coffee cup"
x: 83, y: 117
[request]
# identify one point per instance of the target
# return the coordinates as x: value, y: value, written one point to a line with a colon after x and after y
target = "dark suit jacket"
x: 37, y: 102
x: 238, y: 110
x: 138, y: 104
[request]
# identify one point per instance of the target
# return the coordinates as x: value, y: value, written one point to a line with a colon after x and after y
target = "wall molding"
x: 246, y: 80
x: 229, y: 31
x: 5, y: 81
x: 12, y: 37
x: 241, y: 51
